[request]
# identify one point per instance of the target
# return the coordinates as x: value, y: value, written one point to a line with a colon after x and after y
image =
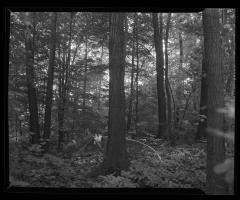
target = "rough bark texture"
x: 160, y: 72
x: 49, y: 94
x: 115, y: 157
x: 32, y: 96
x: 215, y: 92
x: 167, y: 84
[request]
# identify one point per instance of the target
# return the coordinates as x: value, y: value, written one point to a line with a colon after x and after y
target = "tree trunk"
x: 32, y: 96
x: 100, y: 84
x: 49, y: 95
x: 64, y: 91
x: 137, y: 75
x: 167, y: 84
x: 215, y: 100
x: 84, y: 87
x: 186, y: 105
x: 181, y: 49
x: 129, y: 119
x: 160, y: 72
x: 180, y: 88
x: 201, y: 131
x: 115, y: 158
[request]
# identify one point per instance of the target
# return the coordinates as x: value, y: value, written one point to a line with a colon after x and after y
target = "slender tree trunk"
x: 129, y: 120
x: 215, y: 100
x: 85, y: 86
x: 181, y: 49
x: 64, y: 90
x: 137, y: 75
x: 173, y: 102
x: 201, y: 131
x: 32, y: 97
x: 100, y: 83
x: 167, y: 84
x: 115, y: 158
x: 75, y: 53
x: 186, y: 105
x: 180, y: 88
x: 49, y: 95
x: 160, y: 78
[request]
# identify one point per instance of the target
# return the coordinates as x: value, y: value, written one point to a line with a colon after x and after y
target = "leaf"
x: 217, y: 132
x: 16, y: 182
x: 224, y: 167
x: 229, y: 176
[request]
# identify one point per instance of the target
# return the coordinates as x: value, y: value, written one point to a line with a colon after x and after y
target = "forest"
x: 122, y: 100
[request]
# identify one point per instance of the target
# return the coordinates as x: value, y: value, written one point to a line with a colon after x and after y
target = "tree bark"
x: 137, y: 75
x: 32, y: 96
x: 49, y: 94
x: 129, y: 119
x: 186, y: 105
x: 180, y: 87
x: 167, y: 84
x: 64, y: 90
x: 201, y: 131
x: 115, y: 158
x: 160, y: 72
x: 100, y: 84
x: 85, y: 86
x: 215, y: 100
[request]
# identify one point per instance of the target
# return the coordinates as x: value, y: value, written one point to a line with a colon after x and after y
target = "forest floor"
x: 180, y: 166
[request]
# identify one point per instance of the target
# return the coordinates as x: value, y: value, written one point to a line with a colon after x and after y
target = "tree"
x: 49, y: 94
x: 160, y: 74
x: 137, y: 71
x: 129, y: 119
x: 215, y: 100
x: 180, y: 87
x: 167, y: 84
x: 115, y: 157
x: 201, y: 131
x: 32, y: 96
x: 85, y: 84
x: 63, y: 88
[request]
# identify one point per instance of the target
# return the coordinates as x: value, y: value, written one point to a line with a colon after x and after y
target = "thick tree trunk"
x: 32, y: 96
x: 115, y: 158
x: 215, y: 100
x: 49, y: 95
x: 160, y: 78
x: 167, y: 84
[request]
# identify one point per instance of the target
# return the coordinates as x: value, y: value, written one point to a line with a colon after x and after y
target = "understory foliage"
x: 181, y: 166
